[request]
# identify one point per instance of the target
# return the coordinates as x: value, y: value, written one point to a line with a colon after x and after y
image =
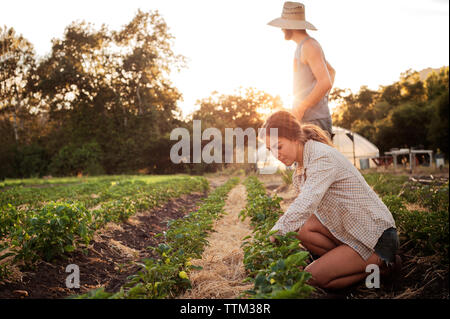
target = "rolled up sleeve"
x: 320, y: 174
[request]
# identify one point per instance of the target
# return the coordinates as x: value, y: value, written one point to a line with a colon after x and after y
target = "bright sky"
x: 229, y: 44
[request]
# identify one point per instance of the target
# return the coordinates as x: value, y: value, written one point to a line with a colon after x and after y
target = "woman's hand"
x: 272, y: 239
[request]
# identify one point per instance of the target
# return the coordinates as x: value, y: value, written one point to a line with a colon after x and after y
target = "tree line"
x: 101, y: 102
x: 411, y: 112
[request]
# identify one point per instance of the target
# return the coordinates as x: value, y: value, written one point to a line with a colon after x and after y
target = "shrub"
x: 50, y: 231
x: 72, y: 159
x: 31, y: 161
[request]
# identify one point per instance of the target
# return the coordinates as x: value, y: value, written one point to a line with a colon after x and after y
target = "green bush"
x: 31, y: 161
x: 72, y: 159
x: 428, y: 232
x: 51, y: 231
x: 286, y: 175
x: 51, y: 228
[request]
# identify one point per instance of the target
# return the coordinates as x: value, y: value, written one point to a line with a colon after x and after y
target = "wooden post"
x: 411, y: 160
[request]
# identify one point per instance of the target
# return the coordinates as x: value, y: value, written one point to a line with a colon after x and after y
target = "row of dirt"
x: 109, y: 258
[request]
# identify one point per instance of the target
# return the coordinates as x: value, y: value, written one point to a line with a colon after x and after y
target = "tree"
x: 243, y: 109
x: 438, y: 126
x: 112, y: 88
x: 16, y: 63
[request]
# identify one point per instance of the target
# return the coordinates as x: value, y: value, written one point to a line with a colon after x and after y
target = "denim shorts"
x: 325, y: 124
x: 387, y: 245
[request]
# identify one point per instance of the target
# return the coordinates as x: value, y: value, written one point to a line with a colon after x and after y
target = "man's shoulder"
x: 311, y: 45
x: 310, y: 49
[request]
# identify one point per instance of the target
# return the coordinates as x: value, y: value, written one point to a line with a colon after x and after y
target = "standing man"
x: 313, y: 75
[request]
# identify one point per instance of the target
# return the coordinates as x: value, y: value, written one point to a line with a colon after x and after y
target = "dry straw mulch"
x: 222, y: 261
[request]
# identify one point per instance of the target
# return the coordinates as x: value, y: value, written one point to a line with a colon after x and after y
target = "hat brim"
x: 291, y: 24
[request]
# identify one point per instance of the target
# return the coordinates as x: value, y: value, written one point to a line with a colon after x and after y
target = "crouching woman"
x: 337, y: 215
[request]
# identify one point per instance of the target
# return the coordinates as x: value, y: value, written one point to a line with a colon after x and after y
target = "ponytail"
x: 314, y: 132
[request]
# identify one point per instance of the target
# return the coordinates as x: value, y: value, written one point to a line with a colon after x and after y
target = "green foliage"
x: 428, y: 232
x: 50, y: 231
x: 286, y: 176
x: 407, y: 113
x: 166, y: 275
x: 273, y: 267
x: 433, y: 196
x: 438, y: 125
x: 31, y: 160
x: 77, y: 96
x: 70, y: 214
x: 425, y: 231
x: 72, y: 159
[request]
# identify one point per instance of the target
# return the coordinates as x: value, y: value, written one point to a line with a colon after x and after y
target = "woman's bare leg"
x: 339, y: 265
x: 340, y: 268
x: 316, y: 237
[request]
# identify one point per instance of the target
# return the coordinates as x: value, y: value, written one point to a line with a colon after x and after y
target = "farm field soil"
x: 420, y: 277
x: 110, y: 257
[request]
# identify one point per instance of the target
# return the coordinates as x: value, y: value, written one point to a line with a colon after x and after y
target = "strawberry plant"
x: 428, y: 232
x: 50, y: 231
x: 52, y: 228
x: 274, y: 268
x: 166, y: 275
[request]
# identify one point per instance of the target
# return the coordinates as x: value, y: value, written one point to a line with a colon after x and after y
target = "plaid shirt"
x: 335, y: 191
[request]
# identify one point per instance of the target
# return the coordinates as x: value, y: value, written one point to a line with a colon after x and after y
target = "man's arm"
x: 319, y: 66
x: 332, y: 72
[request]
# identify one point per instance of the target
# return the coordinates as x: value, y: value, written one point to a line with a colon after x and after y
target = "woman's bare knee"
x: 317, y: 278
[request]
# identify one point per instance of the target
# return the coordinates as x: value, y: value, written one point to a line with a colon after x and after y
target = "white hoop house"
x: 364, y: 149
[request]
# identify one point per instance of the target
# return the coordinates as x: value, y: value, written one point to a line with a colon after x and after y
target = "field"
x: 186, y: 236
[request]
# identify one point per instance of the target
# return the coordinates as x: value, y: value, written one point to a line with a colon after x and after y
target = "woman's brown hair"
x: 289, y: 127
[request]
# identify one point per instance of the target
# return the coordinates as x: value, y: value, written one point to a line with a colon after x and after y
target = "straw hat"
x: 292, y: 17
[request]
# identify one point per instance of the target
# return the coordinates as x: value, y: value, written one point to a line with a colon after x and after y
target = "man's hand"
x: 298, y: 112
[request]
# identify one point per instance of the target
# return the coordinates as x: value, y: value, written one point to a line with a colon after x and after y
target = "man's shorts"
x: 324, y: 124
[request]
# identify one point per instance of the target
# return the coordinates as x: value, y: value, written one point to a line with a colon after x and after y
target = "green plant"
x: 286, y: 175
x: 275, y: 268
x: 72, y: 159
x: 427, y: 232
x: 51, y: 231
x: 166, y: 275
x: 47, y: 230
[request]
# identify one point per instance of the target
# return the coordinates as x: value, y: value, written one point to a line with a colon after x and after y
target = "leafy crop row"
x: 90, y: 191
x: 274, y: 268
x: 166, y: 275
x: 433, y: 196
x: 57, y: 227
x: 427, y: 232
